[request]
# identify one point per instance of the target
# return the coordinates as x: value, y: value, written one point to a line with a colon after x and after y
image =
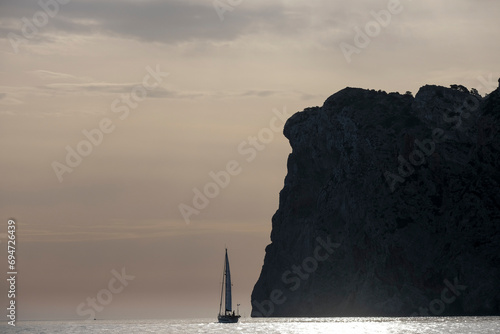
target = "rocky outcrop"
x: 391, y: 207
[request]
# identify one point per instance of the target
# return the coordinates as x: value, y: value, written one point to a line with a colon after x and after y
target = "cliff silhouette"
x: 391, y: 207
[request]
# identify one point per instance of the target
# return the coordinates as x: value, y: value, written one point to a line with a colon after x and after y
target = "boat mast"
x: 222, y: 288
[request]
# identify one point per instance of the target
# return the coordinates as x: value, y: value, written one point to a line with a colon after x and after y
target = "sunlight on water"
x: 451, y: 325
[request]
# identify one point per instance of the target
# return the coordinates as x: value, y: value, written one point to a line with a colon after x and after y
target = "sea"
x: 455, y: 325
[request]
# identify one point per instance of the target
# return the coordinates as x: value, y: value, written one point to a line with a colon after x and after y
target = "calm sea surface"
x: 455, y: 325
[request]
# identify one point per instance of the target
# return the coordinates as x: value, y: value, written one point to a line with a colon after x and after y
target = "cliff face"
x: 391, y: 207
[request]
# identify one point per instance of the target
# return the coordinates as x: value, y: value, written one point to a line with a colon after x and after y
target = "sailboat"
x: 228, y: 316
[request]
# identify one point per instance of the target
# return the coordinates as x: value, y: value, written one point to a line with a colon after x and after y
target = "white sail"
x: 229, y: 307
x: 228, y: 316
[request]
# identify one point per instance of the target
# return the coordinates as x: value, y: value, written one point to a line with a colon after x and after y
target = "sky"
x: 138, y: 139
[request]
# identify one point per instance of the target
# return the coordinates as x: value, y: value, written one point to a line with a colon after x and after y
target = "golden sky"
x: 154, y: 96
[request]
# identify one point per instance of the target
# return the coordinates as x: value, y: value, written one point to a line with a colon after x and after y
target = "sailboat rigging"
x: 228, y: 315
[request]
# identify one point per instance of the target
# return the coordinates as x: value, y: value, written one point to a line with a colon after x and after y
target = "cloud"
x: 94, y: 87
x: 109, y: 88
x: 259, y: 93
x: 269, y: 93
x: 49, y: 75
x: 177, y: 21
x: 102, y: 88
x: 162, y: 93
x: 8, y: 99
x: 167, y: 22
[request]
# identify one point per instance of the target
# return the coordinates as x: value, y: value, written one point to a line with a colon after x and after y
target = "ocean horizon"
x: 372, y: 325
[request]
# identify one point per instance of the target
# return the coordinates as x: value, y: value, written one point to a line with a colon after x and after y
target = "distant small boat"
x: 228, y: 316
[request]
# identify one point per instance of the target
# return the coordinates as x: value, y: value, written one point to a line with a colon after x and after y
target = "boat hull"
x: 228, y: 319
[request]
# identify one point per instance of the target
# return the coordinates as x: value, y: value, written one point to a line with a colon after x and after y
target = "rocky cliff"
x: 391, y: 207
